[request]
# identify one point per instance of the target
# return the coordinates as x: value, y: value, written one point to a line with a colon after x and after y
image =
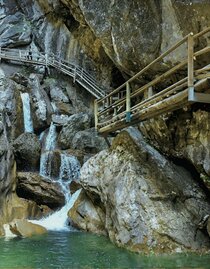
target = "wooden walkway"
x: 185, y: 83
x: 78, y: 74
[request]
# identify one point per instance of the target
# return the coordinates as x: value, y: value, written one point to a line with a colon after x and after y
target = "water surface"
x: 84, y: 250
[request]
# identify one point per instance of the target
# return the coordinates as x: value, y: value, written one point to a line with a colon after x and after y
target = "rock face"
x: 152, y: 23
x: 23, y: 228
x: 87, y: 216
x: 44, y: 192
x: 189, y: 144
x: 89, y: 141
x: 27, y: 151
x: 76, y: 123
x: 149, y: 202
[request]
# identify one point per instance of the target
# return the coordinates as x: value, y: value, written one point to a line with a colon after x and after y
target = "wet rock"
x: 137, y: 186
x: 27, y: 151
x: 76, y: 123
x: 111, y: 23
x: 23, y: 228
x: 60, y: 120
x: 14, y: 31
x: 41, y: 106
x: 39, y: 189
x: 88, y: 141
x: 189, y: 145
x: 87, y: 216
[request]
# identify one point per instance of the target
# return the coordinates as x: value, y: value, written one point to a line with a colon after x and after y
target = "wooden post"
x: 128, y: 103
x: 96, y: 113
x: 190, y: 60
x: 75, y: 72
x: 150, y: 92
x: 190, y: 53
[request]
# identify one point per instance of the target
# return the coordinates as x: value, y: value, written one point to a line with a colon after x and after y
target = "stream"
x: 84, y: 250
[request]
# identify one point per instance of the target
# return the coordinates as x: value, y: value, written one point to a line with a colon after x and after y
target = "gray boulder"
x: 27, y: 151
x: 76, y: 123
x: 34, y: 187
x: 150, y: 203
x: 88, y: 141
x: 14, y: 31
x: 87, y: 216
x: 41, y: 106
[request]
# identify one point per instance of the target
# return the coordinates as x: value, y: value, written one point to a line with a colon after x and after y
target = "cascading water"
x: 28, y: 123
x: 69, y: 170
x: 47, y: 152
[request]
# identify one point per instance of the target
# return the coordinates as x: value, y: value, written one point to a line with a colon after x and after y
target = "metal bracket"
x: 198, y: 97
x: 128, y: 117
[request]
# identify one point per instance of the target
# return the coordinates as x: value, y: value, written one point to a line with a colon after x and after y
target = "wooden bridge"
x: 78, y: 74
x: 185, y: 83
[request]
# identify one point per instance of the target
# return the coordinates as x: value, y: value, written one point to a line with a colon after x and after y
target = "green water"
x: 83, y: 250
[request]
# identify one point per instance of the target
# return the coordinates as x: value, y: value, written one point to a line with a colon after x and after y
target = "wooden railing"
x: 168, y: 91
x: 78, y: 74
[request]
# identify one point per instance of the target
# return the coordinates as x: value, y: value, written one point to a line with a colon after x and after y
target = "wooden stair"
x: 78, y: 74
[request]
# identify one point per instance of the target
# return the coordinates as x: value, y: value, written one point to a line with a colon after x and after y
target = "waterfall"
x: 28, y: 123
x: 47, y: 152
x: 58, y: 220
x: 69, y: 170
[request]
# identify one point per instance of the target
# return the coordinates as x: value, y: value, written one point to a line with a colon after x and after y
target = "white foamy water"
x: 28, y: 123
x: 58, y: 220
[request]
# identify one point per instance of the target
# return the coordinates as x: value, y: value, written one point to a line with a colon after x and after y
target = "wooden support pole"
x: 96, y: 113
x: 75, y: 73
x: 128, y: 102
x: 150, y: 92
x: 190, y: 60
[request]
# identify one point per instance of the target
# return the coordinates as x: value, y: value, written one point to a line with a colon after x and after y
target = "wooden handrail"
x: 112, y: 112
x: 82, y: 77
x: 163, y: 55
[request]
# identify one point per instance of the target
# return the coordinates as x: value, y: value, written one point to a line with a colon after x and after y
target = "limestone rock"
x: 24, y: 228
x: 35, y: 187
x: 41, y: 106
x: 190, y: 144
x: 14, y: 31
x: 112, y: 22
x: 27, y: 151
x: 7, y: 164
x: 87, y: 216
x: 88, y: 141
x: 76, y: 123
x: 150, y: 203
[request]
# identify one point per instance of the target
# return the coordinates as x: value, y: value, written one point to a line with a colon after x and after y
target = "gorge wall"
x: 131, y: 186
